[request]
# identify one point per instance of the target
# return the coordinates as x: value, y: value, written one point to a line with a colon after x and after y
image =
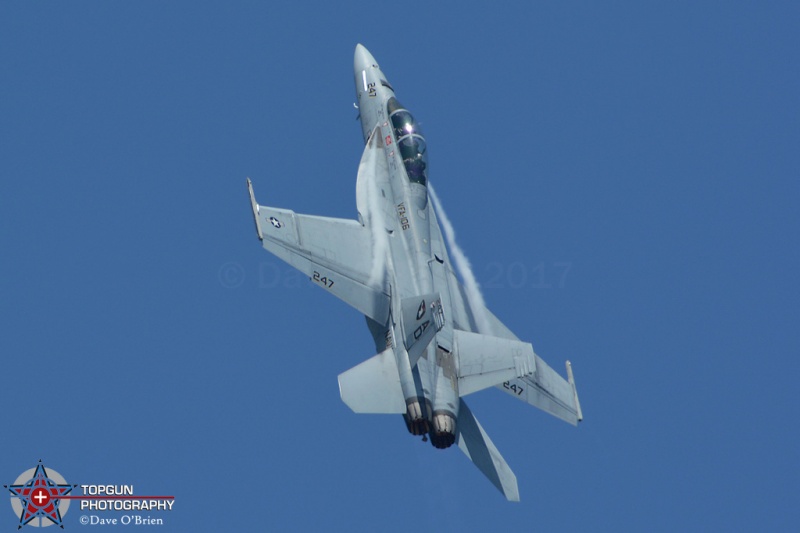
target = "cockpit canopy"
x: 410, y: 142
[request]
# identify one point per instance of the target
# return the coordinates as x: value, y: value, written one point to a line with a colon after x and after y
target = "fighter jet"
x: 434, y: 345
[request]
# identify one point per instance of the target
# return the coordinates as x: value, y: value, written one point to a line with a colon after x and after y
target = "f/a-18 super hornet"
x: 435, y: 345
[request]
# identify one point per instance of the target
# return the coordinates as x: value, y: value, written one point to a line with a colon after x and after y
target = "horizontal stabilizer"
x: 485, y: 361
x: 373, y: 386
x: 477, y: 445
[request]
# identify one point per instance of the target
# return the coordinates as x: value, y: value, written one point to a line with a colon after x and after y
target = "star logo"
x: 37, y: 494
x: 275, y: 222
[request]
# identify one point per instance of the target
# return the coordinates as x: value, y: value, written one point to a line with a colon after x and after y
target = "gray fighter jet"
x: 434, y: 345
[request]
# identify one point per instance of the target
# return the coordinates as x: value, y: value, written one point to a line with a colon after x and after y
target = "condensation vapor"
x: 375, y: 214
x: 464, y: 268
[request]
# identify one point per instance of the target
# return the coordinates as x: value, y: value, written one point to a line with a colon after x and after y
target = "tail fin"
x: 373, y: 386
x: 477, y: 445
x: 422, y: 318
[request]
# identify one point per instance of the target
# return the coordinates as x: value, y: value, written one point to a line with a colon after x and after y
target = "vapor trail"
x: 380, y: 241
x: 375, y: 214
x: 464, y: 268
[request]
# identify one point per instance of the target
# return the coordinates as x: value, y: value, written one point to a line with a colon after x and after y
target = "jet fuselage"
x: 416, y: 252
x: 436, y: 340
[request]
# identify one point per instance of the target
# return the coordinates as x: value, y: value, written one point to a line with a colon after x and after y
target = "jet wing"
x: 544, y: 388
x: 336, y: 254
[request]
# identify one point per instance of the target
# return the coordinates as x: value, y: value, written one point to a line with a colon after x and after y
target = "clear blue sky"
x: 624, y: 179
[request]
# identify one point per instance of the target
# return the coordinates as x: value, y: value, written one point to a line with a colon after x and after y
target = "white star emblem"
x: 275, y: 222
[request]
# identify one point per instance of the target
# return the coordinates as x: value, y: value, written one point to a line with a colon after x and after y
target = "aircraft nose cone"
x: 363, y: 59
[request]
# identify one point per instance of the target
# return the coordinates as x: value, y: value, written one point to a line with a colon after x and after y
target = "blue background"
x: 623, y: 177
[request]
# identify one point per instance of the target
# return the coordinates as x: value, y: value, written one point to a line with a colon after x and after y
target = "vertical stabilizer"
x: 423, y: 317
